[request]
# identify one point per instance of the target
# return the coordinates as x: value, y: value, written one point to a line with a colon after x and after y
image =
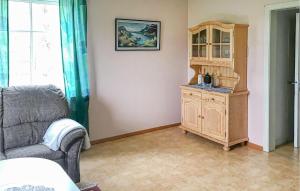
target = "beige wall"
x: 246, y: 12
x: 132, y: 91
x: 136, y: 90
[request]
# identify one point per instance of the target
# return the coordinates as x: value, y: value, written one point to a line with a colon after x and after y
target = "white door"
x: 297, y: 80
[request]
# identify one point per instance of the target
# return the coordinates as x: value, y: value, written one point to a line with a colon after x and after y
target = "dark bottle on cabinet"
x: 207, y: 78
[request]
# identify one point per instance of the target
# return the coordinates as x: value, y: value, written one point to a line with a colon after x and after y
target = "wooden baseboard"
x: 255, y: 146
x: 133, y: 133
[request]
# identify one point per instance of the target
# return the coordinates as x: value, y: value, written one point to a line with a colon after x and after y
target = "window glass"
x: 35, y: 51
x: 19, y: 60
x: 19, y: 16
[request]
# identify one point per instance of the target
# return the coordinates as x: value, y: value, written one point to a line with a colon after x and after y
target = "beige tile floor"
x: 168, y: 160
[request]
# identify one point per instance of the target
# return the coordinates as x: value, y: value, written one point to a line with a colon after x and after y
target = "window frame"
x: 37, y: 1
x: 31, y: 31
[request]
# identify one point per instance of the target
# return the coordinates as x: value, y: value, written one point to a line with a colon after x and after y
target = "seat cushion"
x: 38, y: 150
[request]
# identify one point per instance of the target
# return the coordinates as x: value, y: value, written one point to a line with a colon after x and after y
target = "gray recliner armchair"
x: 25, y: 114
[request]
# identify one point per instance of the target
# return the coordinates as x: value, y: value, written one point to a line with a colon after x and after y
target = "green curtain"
x: 4, y: 72
x: 73, y: 26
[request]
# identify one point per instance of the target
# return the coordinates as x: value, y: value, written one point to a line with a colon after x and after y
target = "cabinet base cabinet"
x: 226, y: 145
x: 219, y: 117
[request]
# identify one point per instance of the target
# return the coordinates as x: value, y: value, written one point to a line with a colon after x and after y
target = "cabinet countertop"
x: 221, y: 90
x: 213, y: 90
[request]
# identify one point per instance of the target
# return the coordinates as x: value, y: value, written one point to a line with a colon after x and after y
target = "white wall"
x: 136, y: 90
x: 245, y: 12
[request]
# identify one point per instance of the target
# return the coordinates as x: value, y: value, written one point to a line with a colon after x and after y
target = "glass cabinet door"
x: 200, y: 44
x: 216, y: 43
x: 225, y: 44
x: 221, y: 44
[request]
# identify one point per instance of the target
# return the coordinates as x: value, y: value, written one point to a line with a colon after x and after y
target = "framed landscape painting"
x: 137, y: 34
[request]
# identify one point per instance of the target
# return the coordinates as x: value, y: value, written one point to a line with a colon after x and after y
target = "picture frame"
x: 137, y: 35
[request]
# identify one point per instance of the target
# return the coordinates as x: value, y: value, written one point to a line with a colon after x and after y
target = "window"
x: 34, y: 43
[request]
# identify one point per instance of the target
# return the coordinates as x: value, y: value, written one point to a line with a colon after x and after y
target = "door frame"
x: 269, y: 132
x: 297, y: 63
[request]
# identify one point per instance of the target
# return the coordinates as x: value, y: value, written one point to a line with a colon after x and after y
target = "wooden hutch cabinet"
x: 222, y: 116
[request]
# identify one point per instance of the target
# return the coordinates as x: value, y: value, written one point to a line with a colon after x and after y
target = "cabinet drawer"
x: 190, y: 94
x: 214, y: 98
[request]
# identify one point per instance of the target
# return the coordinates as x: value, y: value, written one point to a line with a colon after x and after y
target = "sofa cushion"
x: 27, y: 113
x: 38, y: 150
x: 25, y: 104
x: 24, y: 134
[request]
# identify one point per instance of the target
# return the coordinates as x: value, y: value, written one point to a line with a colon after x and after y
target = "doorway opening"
x: 282, y: 75
x: 283, y: 79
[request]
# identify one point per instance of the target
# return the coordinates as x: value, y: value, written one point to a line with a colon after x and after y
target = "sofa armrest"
x: 72, y: 160
x: 71, y: 138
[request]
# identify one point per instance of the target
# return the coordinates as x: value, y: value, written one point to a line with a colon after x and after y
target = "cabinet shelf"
x: 201, y: 44
x: 196, y: 61
x: 222, y: 43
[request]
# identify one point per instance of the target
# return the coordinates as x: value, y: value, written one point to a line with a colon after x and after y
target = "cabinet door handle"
x: 202, y: 117
x: 191, y: 94
x: 212, y: 99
